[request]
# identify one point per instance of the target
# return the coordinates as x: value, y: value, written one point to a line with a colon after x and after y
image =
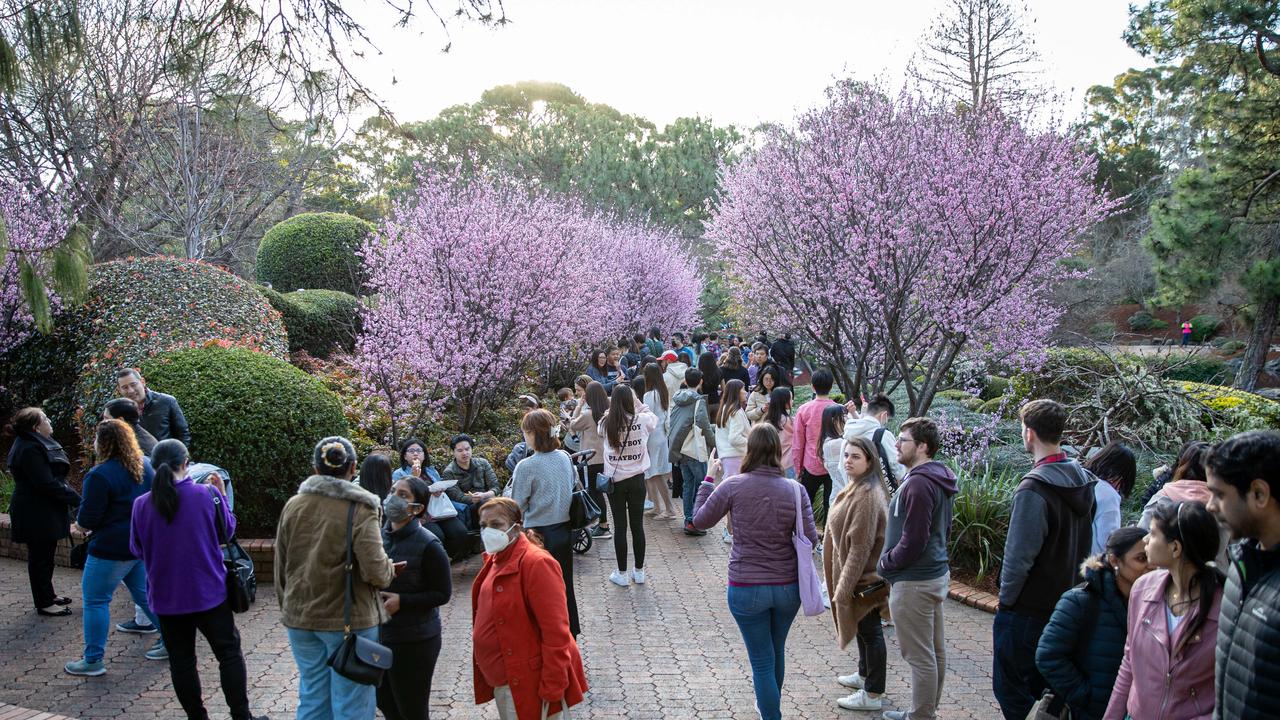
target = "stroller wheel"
x: 582, y: 541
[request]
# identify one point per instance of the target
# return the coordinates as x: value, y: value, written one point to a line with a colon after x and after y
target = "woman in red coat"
x: 523, y: 656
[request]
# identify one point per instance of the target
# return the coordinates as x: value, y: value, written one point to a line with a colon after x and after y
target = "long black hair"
x: 1192, y: 525
x: 167, y: 458
x: 779, y: 405
x: 710, y: 370
x: 375, y: 475
x: 831, y: 415
x: 1116, y: 464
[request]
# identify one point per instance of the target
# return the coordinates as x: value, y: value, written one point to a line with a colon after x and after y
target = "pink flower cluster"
x: 478, y: 280
x: 34, y: 226
x: 892, y: 231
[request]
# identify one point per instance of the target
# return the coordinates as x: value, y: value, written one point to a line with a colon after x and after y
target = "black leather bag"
x: 583, y: 511
x: 79, y: 554
x: 241, y: 584
x: 357, y: 659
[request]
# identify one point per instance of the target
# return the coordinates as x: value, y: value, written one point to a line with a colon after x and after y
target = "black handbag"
x: 241, y: 584
x: 79, y: 554
x: 583, y: 511
x: 357, y: 659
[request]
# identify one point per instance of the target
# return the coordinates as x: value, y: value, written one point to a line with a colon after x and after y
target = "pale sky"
x: 734, y: 61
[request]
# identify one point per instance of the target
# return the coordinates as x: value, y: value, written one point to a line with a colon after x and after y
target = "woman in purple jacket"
x: 175, y: 533
x: 764, y: 589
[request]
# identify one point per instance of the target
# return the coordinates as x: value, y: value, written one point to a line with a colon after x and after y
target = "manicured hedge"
x: 135, y: 309
x: 255, y: 415
x: 315, y: 251
x: 1204, y: 327
x: 318, y: 321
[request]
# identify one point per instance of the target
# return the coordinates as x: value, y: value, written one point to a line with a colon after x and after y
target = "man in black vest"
x: 1050, y: 534
x: 1244, y: 481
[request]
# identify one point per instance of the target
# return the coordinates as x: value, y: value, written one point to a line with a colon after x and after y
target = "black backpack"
x: 890, y: 482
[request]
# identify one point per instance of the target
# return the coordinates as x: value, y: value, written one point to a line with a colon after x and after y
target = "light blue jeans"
x: 97, y: 585
x: 764, y: 614
x: 322, y: 693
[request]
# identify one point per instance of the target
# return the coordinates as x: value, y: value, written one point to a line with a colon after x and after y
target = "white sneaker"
x: 620, y: 578
x: 859, y: 701
x: 726, y: 535
x: 648, y: 505
x: 638, y: 576
x: 855, y: 681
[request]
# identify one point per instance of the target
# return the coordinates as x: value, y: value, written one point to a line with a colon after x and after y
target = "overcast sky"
x: 735, y: 61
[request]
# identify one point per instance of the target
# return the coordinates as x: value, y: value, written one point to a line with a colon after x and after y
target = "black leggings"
x: 218, y: 627
x: 40, y: 571
x: 453, y: 533
x: 872, y: 654
x: 406, y: 688
x: 812, y: 483
x: 597, y: 496
x: 559, y: 543
x: 627, y: 501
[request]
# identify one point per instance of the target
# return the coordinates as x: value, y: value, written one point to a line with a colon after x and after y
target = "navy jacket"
x: 1081, y: 648
x: 423, y: 586
x: 107, y: 507
x: 162, y: 417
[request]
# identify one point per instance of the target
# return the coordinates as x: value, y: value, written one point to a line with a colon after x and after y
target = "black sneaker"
x: 689, y: 529
x: 601, y: 533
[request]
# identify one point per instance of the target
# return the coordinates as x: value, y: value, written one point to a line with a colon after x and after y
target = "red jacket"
x: 542, y: 660
x: 1152, y: 683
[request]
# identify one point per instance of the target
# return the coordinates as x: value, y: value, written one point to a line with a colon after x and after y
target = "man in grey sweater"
x: 689, y: 415
x: 1050, y: 534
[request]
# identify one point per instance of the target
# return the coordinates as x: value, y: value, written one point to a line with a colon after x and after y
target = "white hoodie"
x: 865, y: 428
x: 673, y: 376
x: 633, y: 457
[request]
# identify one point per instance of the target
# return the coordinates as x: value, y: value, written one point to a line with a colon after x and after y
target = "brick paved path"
x: 668, y: 649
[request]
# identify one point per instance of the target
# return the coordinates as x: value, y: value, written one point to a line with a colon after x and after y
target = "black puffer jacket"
x: 424, y: 585
x: 1082, y: 646
x: 1247, y: 676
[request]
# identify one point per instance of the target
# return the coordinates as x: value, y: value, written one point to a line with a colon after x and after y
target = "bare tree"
x: 979, y: 51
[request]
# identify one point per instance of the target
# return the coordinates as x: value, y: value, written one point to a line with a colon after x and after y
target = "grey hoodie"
x: 1050, y: 534
x: 685, y: 412
x: 915, y: 538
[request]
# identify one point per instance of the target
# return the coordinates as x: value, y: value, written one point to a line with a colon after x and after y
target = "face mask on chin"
x: 495, y: 540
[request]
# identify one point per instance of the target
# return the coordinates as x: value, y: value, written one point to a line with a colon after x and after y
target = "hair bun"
x: 335, y: 455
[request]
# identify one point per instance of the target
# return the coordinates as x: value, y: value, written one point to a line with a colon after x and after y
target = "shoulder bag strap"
x: 350, y: 594
x: 799, y: 508
x: 217, y: 517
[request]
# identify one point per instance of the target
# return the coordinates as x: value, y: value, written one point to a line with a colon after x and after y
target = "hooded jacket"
x: 1081, y: 648
x: 686, y: 413
x: 1050, y: 535
x: 673, y: 376
x: 915, y: 538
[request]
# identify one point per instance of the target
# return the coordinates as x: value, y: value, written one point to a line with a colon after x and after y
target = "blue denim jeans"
x: 322, y: 693
x: 764, y: 614
x: 1015, y: 681
x: 691, y: 472
x: 97, y: 585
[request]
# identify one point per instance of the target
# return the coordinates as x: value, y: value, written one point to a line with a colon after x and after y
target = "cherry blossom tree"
x: 477, y: 281
x: 34, y: 261
x: 897, y: 235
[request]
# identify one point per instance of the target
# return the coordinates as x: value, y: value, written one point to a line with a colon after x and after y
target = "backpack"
x: 890, y: 482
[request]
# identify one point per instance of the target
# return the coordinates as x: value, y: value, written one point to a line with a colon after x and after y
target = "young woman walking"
x: 764, y: 590
x: 626, y: 428
x: 1167, y: 670
x: 851, y: 549
x: 731, y: 438
x: 659, y: 472
x: 778, y: 414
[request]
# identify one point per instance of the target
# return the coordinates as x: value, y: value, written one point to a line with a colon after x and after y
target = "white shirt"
x: 1107, y: 516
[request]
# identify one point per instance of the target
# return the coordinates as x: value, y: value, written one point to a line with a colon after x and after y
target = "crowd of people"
x: 1176, y: 617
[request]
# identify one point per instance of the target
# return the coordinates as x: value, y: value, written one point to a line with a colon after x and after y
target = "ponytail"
x: 167, y: 457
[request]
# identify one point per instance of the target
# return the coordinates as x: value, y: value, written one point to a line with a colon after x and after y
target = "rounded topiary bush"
x: 255, y: 415
x: 318, y: 321
x: 315, y: 251
x: 135, y: 309
x: 1204, y: 327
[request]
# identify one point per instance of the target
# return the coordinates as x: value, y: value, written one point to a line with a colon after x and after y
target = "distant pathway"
x: 668, y: 649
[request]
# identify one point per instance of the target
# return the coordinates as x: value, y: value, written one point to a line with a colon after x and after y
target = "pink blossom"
x: 34, y: 225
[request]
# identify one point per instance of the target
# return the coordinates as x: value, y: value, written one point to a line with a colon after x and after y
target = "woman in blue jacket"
x: 109, y: 489
x: 1082, y: 646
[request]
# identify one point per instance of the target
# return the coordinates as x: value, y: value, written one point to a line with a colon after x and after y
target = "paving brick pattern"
x: 668, y: 649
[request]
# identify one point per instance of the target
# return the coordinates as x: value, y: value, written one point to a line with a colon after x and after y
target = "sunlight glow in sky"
x: 735, y: 61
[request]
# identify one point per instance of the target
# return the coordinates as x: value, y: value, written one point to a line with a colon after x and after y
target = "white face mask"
x: 495, y: 540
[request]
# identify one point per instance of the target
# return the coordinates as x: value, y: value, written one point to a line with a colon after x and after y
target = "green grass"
x: 6, y: 490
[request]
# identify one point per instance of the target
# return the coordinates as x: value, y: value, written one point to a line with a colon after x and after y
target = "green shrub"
x: 1102, y: 330
x: 980, y: 521
x: 1158, y: 324
x: 6, y: 491
x: 135, y: 309
x: 255, y: 415
x: 1141, y: 321
x: 1232, y: 410
x: 315, y: 251
x: 1204, y: 327
x: 995, y: 387
x: 954, y: 394
x: 317, y: 321
x: 1192, y: 368
x: 1005, y: 406
x: 1231, y: 347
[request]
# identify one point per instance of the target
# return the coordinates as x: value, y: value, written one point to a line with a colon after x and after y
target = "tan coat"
x: 310, y: 556
x: 850, y: 549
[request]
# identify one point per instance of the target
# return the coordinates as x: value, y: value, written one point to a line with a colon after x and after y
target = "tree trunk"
x: 1255, y: 355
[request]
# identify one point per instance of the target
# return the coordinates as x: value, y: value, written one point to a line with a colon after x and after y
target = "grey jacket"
x: 686, y: 412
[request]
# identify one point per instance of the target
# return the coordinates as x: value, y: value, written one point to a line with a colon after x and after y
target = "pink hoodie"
x: 633, y: 457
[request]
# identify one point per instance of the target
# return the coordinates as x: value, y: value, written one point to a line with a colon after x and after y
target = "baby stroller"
x: 582, y: 535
